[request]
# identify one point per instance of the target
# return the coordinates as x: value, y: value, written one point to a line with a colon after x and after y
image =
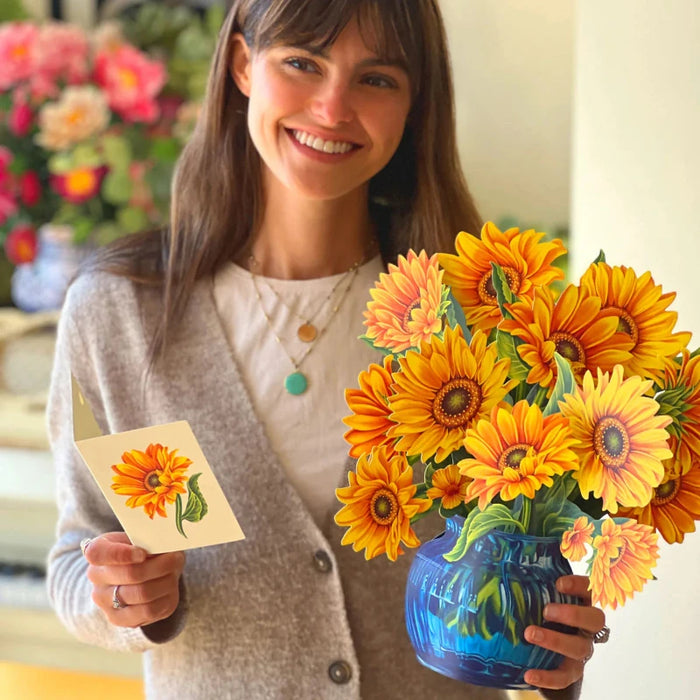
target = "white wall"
x: 636, y: 193
x: 513, y: 65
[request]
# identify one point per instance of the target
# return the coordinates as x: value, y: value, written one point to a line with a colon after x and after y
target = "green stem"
x: 541, y: 397
x: 178, y: 515
x: 525, y: 514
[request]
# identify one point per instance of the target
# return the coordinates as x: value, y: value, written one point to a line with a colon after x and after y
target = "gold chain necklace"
x: 307, y: 332
x: 297, y: 382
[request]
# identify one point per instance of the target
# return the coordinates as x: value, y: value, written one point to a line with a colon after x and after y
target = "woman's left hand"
x: 576, y: 648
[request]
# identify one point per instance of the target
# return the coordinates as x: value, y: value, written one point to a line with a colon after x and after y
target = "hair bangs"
x: 386, y: 27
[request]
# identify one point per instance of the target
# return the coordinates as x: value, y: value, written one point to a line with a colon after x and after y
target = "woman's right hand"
x: 148, y: 584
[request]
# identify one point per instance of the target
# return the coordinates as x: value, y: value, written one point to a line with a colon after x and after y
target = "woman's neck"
x: 305, y: 239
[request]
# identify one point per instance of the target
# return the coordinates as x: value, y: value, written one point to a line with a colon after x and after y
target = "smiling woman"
x: 325, y: 147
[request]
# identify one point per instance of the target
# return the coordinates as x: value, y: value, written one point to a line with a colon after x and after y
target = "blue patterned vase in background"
x: 466, y: 619
x: 41, y: 285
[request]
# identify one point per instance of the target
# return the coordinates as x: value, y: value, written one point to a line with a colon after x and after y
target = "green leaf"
x: 60, y: 163
x: 82, y: 229
x: 196, y: 505
x: 116, y: 151
x: 507, y: 345
x: 165, y: 149
x: 600, y: 258
x: 504, y: 294
x: 85, y: 155
x: 117, y: 187
x: 132, y: 220
x: 565, y: 385
x: 214, y: 18
x: 455, y: 315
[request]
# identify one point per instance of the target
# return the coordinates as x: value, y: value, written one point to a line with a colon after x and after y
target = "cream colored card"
x: 157, y: 482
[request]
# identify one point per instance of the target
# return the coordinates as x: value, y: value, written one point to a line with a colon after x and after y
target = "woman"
x: 326, y: 146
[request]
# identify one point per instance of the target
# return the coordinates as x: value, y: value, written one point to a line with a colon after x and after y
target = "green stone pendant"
x: 296, y: 383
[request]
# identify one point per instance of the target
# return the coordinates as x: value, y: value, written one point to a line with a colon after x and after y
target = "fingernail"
x: 138, y: 555
x: 531, y: 678
x: 551, y: 613
x: 563, y: 585
x: 533, y: 634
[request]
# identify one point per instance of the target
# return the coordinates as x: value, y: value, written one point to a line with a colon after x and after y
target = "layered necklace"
x: 309, y: 330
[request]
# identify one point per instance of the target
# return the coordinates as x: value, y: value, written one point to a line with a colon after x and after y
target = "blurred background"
x: 576, y: 118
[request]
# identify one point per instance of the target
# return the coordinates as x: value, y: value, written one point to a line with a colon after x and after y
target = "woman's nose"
x: 332, y: 103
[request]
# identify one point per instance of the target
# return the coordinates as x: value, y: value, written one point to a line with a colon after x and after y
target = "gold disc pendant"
x: 307, y: 332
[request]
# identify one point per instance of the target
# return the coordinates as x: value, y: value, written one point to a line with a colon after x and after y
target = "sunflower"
x: 379, y: 504
x: 621, y: 439
x: 370, y: 422
x: 680, y: 398
x: 574, y: 541
x: 525, y: 260
x: 624, y: 556
x: 407, y: 303
x: 641, y: 311
x: 448, y: 485
x: 151, y: 479
x: 442, y: 390
x: 571, y: 326
x: 675, y: 505
x: 516, y: 453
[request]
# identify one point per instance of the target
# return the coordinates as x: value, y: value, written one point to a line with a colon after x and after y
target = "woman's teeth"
x: 318, y: 144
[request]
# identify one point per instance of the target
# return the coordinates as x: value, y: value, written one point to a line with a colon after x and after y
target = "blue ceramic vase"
x: 466, y: 619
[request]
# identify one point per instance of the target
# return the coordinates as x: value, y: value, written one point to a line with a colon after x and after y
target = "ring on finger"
x: 117, y: 602
x: 602, y: 635
x: 84, y: 544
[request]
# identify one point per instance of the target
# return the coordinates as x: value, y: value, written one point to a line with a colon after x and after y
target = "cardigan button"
x: 340, y: 672
x: 322, y: 562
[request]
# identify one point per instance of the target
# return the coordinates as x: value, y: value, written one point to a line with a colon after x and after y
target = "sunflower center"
x: 611, y: 442
x: 407, y: 317
x: 384, y: 507
x: 486, y: 290
x: 568, y: 346
x: 666, y: 492
x: 626, y: 324
x: 457, y: 402
x: 152, y: 480
x: 512, y: 457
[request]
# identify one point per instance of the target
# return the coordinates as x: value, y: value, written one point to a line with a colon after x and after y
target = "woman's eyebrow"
x: 371, y: 62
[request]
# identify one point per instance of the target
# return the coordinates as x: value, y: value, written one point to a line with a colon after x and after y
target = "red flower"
x: 20, y: 119
x: 20, y: 244
x: 78, y: 185
x: 29, y: 188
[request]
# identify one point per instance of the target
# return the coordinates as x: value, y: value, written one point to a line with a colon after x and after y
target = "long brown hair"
x: 419, y: 200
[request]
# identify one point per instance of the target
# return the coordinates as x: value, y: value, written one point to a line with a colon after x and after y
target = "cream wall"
x: 636, y: 193
x: 513, y: 65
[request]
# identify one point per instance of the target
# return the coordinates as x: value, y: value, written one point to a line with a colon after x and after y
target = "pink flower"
x: 29, y: 188
x: 62, y: 53
x: 20, y: 118
x: 20, y: 245
x: 17, y: 50
x: 8, y: 206
x: 132, y: 83
x: 5, y: 160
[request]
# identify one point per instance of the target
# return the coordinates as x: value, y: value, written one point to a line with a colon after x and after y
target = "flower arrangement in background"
x: 90, y: 129
x: 572, y: 414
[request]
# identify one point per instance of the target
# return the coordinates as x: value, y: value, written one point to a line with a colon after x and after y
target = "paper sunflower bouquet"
x: 512, y: 407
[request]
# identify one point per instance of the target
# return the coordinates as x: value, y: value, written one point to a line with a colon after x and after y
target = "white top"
x: 306, y: 431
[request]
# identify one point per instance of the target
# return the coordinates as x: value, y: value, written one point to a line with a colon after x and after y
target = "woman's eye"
x: 301, y: 64
x: 379, y: 81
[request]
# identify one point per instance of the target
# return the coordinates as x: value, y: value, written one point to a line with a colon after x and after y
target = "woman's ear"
x: 240, y: 63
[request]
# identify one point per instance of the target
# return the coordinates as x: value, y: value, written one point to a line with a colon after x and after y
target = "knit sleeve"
x: 83, y: 510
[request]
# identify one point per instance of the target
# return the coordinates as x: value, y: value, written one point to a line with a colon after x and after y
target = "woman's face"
x: 323, y: 123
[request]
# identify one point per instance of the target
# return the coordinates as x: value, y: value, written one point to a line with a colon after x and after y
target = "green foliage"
x: 565, y: 384
x: 455, y: 314
x: 11, y: 10
x: 196, y: 507
x: 507, y: 346
x: 117, y: 187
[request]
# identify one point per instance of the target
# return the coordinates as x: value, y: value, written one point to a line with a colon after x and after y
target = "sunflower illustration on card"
x: 157, y: 481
